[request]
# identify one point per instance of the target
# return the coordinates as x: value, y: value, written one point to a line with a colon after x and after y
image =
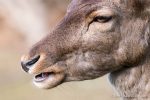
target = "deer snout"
x: 28, y: 63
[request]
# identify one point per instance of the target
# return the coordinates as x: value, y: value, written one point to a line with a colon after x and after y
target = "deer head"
x: 94, y: 38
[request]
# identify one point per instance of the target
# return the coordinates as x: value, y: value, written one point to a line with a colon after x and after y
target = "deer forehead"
x: 80, y: 3
x: 91, y: 1
x: 138, y: 5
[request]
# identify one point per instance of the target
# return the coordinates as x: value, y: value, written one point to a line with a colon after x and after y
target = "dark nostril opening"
x: 26, y: 65
x: 32, y: 61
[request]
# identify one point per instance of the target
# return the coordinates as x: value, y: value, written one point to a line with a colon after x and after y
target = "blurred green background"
x: 22, y: 23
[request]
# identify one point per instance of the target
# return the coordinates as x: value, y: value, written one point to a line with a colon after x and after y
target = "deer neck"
x: 132, y: 83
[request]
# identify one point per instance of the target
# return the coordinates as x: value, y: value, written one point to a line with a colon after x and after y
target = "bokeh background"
x: 23, y: 23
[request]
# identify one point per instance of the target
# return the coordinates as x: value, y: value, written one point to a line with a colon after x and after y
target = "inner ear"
x: 146, y: 6
x: 147, y: 33
x: 147, y: 10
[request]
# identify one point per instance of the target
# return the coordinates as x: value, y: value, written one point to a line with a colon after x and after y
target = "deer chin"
x: 47, y: 80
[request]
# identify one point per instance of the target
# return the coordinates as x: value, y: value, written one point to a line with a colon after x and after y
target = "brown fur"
x: 80, y: 48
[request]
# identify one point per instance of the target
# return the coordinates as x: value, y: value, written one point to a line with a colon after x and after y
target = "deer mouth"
x: 43, y: 76
x: 49, y: 78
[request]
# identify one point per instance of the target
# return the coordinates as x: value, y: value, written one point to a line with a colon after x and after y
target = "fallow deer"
x: 97, y: 37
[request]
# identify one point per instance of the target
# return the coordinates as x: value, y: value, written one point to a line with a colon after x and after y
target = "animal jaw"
x: 95, y: 37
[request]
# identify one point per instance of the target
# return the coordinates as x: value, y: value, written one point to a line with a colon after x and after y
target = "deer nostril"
x: 26, y: 65
x: 32, y: 61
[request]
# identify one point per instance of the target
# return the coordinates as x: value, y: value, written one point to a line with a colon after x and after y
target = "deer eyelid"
x: 103, y: 15
x: 103, y: 19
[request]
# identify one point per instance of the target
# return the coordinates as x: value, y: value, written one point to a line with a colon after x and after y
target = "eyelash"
x: 102, y: 19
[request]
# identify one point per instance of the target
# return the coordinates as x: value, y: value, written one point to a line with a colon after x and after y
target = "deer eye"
x: 103, y: 19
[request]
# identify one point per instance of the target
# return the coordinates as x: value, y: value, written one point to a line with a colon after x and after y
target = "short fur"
x: 81, y: 48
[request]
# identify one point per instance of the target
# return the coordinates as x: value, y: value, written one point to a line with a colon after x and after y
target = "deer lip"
x: 43, y: 76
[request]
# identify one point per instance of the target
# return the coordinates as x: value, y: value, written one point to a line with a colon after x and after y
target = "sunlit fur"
x: 82, y: 49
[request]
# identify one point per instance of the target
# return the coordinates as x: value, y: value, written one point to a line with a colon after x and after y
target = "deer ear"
x: 140, y: 6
